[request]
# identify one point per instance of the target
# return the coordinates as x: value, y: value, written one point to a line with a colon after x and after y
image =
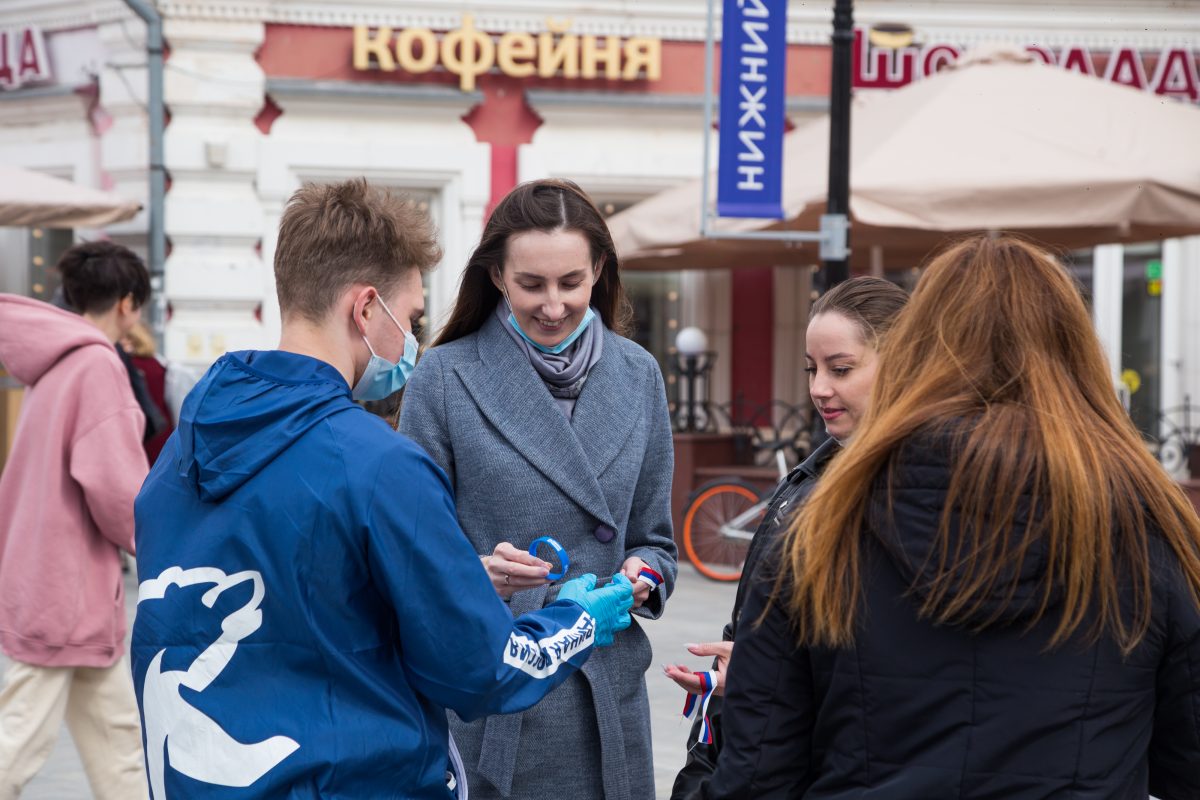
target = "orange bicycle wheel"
x: 715, y: 554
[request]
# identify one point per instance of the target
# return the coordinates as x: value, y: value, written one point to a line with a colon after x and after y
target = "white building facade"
x: 263, y: 95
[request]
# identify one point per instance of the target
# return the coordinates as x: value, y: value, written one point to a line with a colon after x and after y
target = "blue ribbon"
x: 559, y: 551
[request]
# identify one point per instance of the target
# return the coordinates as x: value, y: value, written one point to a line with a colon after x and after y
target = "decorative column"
x: 504, y: 121
x: 214, y: 275
x: 121, y: 125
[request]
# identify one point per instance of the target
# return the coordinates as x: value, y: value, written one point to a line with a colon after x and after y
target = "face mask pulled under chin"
x: 382, y: 378
x: 554, y: 350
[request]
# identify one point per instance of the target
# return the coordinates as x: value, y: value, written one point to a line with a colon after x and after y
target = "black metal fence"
x: 758, y: 429
x: 1175, y: 442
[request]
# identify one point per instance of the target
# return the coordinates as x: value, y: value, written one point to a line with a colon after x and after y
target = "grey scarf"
x: 564, y: 374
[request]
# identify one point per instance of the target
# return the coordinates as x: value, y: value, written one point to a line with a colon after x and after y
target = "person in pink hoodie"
x: 66, y: 512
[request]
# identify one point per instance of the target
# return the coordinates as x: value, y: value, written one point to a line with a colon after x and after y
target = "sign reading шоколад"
x: 1171, y: 71
x: 22, y: 57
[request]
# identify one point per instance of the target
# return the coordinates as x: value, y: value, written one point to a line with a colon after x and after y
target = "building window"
x: 656, y: 308
x: 1081, y: 265
x: 1141, y: 335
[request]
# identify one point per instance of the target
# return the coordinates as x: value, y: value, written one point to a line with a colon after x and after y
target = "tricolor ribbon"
x: 708, y: 683
x: 651, y: 577
x: 559, y: 551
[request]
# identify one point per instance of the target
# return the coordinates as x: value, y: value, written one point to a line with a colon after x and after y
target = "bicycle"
x: 720, y: 521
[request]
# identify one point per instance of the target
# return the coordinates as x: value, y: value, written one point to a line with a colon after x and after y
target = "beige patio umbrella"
x: 29, y: 199
x: 998, y: 142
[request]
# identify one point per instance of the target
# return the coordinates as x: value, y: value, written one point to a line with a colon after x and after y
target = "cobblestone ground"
x: 696, y: 613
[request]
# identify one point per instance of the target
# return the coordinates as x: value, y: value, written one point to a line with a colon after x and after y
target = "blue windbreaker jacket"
x: 309, y: 607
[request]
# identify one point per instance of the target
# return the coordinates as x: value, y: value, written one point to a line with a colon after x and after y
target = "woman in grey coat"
x: 549, y: 422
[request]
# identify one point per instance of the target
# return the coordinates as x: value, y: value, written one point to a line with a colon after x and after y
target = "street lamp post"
x: 838, y: 269
x: 693, y: 363
x: 156, y: 112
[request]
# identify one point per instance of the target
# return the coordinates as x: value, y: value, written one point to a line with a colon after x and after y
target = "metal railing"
x: 1177, y: 445
x: 758, y: 429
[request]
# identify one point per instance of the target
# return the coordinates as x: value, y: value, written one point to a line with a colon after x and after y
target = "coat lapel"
x: 510, y: 394
x: 606, y: 412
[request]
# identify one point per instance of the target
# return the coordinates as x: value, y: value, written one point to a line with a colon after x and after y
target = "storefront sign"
x: 1174, y: 70
x: 469, y: 52
x: 750, y: 160
x: 22, y: 57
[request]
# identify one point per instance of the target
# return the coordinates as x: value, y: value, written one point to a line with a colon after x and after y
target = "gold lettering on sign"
x: 366, y: 45
x: 468, y: 53
x: 643, y: 53
x: 514, y: 46
x: 610, y: 55
x: 561, y: 53
x: 406, y: 53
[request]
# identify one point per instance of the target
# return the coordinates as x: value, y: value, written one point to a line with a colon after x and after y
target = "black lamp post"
x: 693, y: 362
x: 838, y: 200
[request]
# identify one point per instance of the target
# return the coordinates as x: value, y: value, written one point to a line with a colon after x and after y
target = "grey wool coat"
x: 520, y: 470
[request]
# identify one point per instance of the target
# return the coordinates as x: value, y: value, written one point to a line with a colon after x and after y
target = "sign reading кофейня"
x: 469, y: 52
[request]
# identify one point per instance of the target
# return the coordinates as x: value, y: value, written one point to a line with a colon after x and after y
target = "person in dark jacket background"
x: 995, y: 590
x: 845, y: 330
x: 138, y: 345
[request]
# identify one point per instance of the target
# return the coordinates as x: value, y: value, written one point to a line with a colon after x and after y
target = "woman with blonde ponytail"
x: 995, y: 590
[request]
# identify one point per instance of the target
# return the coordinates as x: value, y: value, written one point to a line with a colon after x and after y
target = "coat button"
x: 604, y: 534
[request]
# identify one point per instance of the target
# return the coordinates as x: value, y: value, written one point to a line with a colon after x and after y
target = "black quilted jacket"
x: 915, y: 711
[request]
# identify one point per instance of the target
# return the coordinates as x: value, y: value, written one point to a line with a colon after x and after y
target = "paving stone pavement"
x: 696, y: 613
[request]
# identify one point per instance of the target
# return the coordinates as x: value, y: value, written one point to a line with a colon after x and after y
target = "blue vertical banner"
x: 750, y: 156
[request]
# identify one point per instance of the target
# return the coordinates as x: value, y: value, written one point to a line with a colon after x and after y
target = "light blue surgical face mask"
x: 554, y: 350
x: 382, y: 378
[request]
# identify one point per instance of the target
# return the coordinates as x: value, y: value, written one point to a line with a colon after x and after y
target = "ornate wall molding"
x: 1097, y: 24
x: 52, y: 15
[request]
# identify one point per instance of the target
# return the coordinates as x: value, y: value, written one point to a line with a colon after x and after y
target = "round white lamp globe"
x: 691, y: 342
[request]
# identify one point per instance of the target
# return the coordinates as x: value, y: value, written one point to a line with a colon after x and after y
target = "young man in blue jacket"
x: 308, y: 605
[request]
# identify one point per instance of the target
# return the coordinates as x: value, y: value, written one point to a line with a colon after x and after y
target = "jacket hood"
x: 34, y: 336
x: 249, y: 408
x: 920, y: 475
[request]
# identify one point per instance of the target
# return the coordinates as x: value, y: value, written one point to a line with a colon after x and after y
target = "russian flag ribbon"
x: 708, y: 683
x: 650, y: 576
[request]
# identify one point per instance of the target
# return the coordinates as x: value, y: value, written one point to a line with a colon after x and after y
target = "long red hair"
x: 996, y: 333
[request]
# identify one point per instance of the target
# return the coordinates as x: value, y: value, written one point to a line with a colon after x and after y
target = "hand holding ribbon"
x: 608, y: 606
x: 702, y: 684
x: 643, y: 578
x: 689, y: 681
x: 708, y: 684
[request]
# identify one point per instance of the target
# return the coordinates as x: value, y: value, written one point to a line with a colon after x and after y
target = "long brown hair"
x: 545, y: 205
x: 997, y: 333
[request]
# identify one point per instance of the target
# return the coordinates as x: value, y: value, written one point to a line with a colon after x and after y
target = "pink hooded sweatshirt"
x: 67, y: 490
